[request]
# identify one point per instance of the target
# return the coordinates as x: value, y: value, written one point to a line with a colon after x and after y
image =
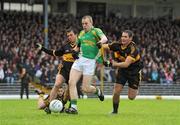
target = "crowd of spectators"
x: 159, y: 40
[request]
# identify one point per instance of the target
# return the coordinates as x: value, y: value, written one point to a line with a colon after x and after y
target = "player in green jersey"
x: 86, y: 63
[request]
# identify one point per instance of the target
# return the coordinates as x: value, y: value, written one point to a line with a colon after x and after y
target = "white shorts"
x: 85, y: 65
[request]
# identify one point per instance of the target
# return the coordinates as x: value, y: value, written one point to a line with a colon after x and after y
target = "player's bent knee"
x: 84, y: 89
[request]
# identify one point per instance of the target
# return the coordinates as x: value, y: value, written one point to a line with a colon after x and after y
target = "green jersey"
x: 88, y: 40
x: 99, y: 60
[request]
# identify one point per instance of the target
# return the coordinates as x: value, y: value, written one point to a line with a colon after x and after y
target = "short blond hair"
x: 88, y: 17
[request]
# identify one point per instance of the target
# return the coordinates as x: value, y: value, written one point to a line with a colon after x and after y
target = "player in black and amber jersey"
x: 128, y: 62
x: 68, y: 56
x: 44, y: 101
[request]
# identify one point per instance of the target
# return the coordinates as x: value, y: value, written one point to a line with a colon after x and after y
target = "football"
x: 55, y: 106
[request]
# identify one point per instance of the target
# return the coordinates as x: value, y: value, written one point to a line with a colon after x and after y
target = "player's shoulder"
x: 67, y: 43
x: 97, y: 29
x: 132, y: 45
x: 81, y: 33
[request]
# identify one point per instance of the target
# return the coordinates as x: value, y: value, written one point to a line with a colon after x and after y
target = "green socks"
x: 74, y: 103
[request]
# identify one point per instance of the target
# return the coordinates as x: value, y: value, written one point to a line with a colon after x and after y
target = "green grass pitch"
x: 93, y: 112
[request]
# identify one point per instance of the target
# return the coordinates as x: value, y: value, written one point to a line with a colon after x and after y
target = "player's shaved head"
x: 87, y: 23
x: 88, y: 17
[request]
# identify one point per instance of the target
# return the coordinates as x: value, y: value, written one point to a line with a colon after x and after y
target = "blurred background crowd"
x: 158, y: 39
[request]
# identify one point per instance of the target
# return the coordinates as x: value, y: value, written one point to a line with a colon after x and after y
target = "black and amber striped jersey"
x: 121, y: 53
x: 66, y: 52
x: 67, y: 59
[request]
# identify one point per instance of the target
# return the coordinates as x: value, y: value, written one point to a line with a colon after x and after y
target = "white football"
x: 55, y: 106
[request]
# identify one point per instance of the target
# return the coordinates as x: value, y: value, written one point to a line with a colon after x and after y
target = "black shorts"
x: 64, y: 70
x: 132, y: 79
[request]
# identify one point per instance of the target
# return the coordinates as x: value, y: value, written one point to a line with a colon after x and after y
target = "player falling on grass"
x: 128, y: 62
x: 86, y: 63
x: 44, y: 101
x: 68, y: 55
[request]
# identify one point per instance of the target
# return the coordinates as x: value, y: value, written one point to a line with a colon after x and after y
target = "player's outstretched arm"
x: 102, y: 45
x: 50, y: 52
x: 125, y: 64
